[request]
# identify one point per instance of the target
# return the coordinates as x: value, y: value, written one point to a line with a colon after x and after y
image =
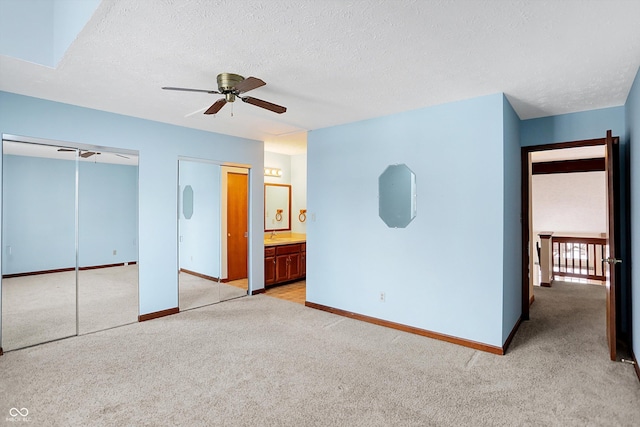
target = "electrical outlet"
x: 382, y: 297
x: 115, y: 252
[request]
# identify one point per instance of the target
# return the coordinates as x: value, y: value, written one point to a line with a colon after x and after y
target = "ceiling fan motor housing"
x: 231, y: 86
x: 227, y: 83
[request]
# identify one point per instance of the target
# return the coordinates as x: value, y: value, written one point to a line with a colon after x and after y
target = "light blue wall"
x: 41, y: 31
x: 443, y: 272
x: 160, y: 145
x: 107, y: 213
x: 200, y: 235
x: 39, y: 214
x: 573, y: 127
x: 69, y: 18
x: 298, y: 191
x: 38, y: 223
x: 633, y: 126
x: 280, y: 161
x: 512, y: 237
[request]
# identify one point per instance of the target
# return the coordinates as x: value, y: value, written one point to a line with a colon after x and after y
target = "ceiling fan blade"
x: 87, y: 154
x: 248, y: 84
x: 264, y: 104
x: 66, y: 149
x: 216, y: 106
x: 185, y: 89
x: 120, y: 155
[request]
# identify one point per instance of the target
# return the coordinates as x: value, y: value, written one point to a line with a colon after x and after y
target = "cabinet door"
x: 282, y: 268
x: 269, y: 270
x: 303, y: 264
x: 294, y: 266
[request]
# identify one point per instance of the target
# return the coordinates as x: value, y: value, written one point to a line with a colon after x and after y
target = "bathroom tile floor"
x: 294, y: 292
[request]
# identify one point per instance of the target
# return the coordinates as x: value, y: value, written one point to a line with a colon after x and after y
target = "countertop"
x: 284, y: 239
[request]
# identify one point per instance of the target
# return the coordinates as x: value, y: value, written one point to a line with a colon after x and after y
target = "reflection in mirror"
x: 38, y: 274
x: 187, y: 202
x: 277, y: 207
x: 210, y: 245
x: 70, y: 265
x: 107, y: 241
x: 199, y: 231
x: 397, y: 196
x: 236, y: 228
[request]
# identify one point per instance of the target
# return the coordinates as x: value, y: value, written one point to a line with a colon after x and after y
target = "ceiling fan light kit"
x: 231, y: 86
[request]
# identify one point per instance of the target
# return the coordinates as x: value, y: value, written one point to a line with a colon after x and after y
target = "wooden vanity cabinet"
x: 284, y: 263
x: 269, y: 266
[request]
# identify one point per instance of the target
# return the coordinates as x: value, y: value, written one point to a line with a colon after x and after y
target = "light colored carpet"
x: 197, y: 292
x: 42, y: 307
x: 261, y: 361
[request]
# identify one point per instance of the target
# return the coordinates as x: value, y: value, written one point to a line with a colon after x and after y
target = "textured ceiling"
x: 335, y: 62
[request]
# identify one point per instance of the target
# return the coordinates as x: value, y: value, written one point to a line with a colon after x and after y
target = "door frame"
x: 526, y: 219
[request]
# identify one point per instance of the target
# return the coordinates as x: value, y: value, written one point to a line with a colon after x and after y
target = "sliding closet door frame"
x: 223, y: 231
x: 54, y: 144
x: 88, y: 298
x: 77, y: 147
x: 182, y: 165
x: 77, y: 231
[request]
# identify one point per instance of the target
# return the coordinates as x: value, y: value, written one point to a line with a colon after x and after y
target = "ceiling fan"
x: 87, y: 154
x: 83, y: 154
x: 231, y: 86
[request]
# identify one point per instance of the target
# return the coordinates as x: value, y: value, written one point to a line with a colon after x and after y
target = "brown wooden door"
x: 611, y: 262
x: 237, y: 225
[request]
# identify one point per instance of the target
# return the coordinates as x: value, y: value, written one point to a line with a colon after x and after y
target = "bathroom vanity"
x: 285, y: 253
x: 284, y: 258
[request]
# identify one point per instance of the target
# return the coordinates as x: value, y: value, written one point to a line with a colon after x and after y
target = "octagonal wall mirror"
x: 277, y: 207
x: 187, y: 202
x: 397, y: 196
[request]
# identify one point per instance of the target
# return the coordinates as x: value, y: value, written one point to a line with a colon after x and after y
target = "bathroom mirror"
x: 397, y: 196
x: 277, y: 207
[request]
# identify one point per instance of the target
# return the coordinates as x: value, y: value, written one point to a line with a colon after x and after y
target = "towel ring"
x: 303, y: 215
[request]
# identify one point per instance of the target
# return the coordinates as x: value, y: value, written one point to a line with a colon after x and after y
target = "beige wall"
x: 572, y: 204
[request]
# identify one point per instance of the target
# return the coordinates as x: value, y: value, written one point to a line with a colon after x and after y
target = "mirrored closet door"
x: 69, y: 241
x: 38, y: 244
x: 199, y: 234
x: 107, y: 240
x: 204, y: 234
